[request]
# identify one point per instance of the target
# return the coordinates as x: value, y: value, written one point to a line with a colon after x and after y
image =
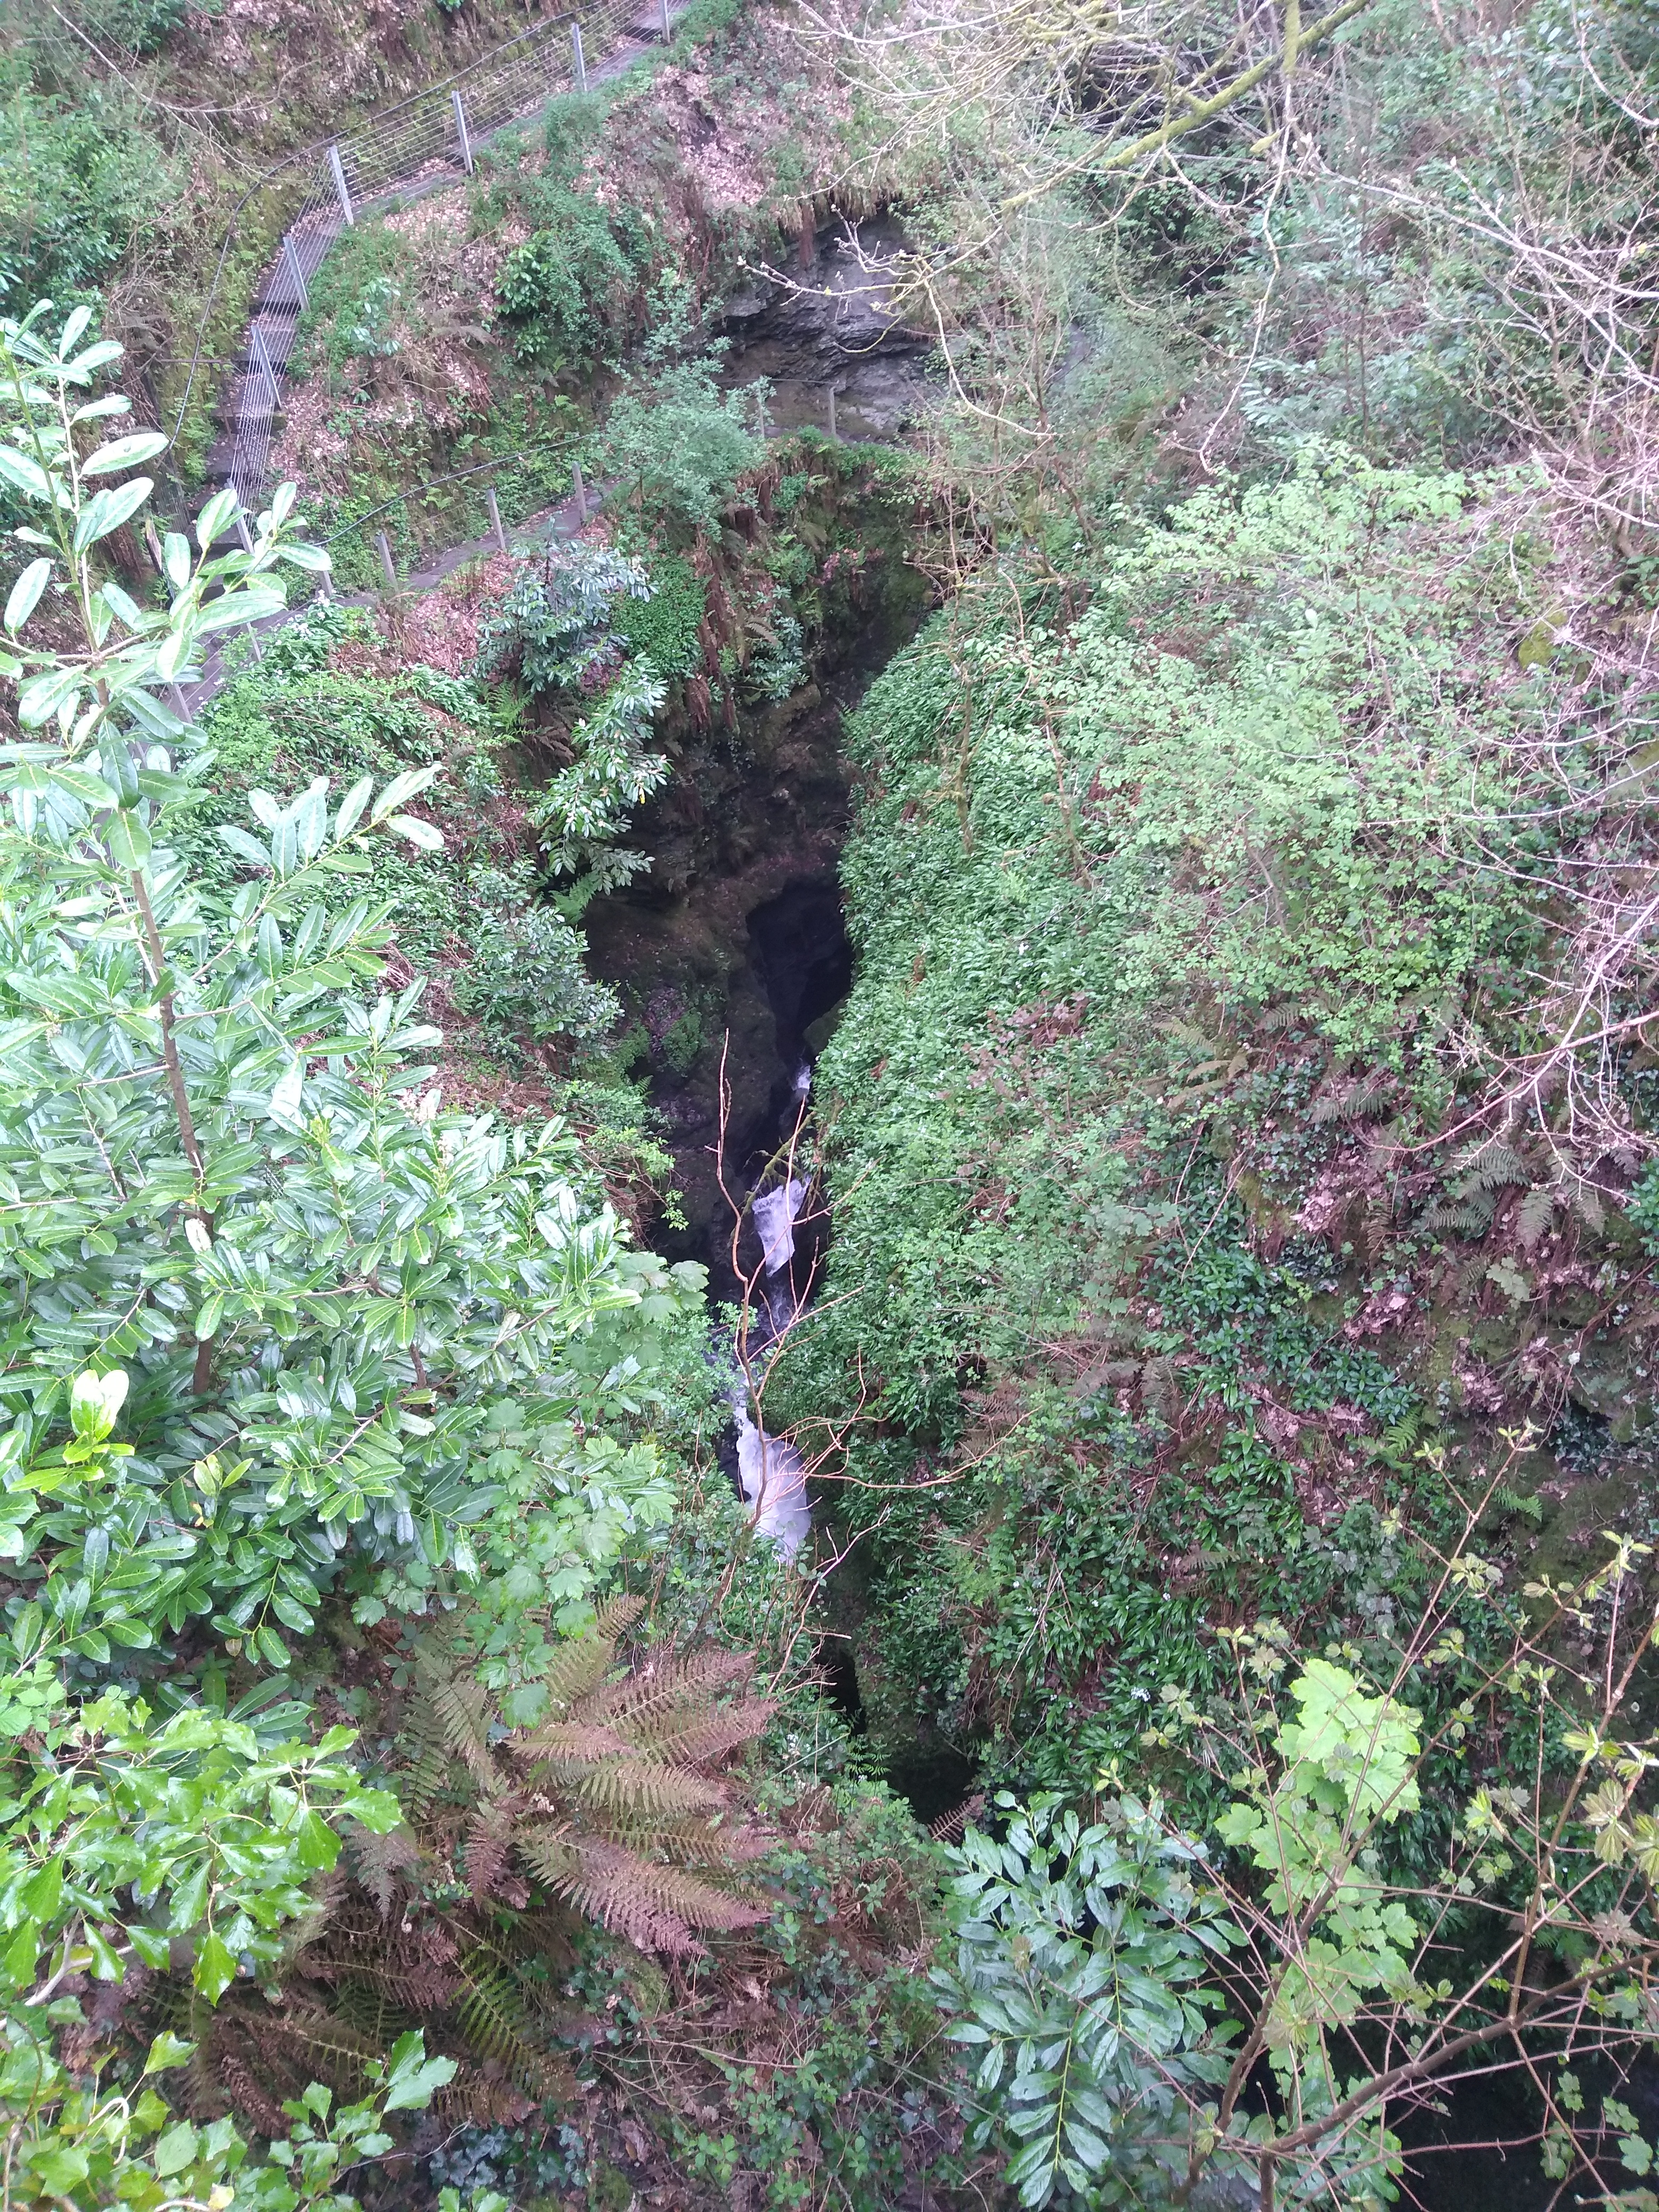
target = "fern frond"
x: 1470, y: 1216
x: 1359, y: 1102
x: 249, y: 2096
x: 417, y: 1972
x: 1587, y: 1205
x: 325, y: 2038
x: 700, y: 1742
x: 662, y: 1680
x: 427, y: 1769
x: 492, y: 2013
x: 1493, y: 1165
x: 614, y: 1616
x: 686, y: 1839
x: 671, y: 1890
x: 615, y: 1907
x: 1515, y: 1501
x: 377, y: 1860
x: 488, y: 1847
x: 550, y: 1853
x: 568, y: 1739
x: 460, y: 1706
x: 1368, y: 1098
x: 1532, y: 1217
x: 577, y: 1668
x: 368, y: 2010
x: 657, y: 1907
x: 471, y: 2098
x: 642, y: 1788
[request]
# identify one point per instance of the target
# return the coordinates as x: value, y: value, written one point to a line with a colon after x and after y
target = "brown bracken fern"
x: 614, y: 1803
x: 615, y: 1808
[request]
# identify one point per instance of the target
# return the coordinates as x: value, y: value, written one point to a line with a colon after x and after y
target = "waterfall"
x: 773, y: 1480
x: 774, y: 1212
x: 770, y: 1471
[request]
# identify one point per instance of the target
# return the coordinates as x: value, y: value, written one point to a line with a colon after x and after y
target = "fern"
x: 614, y: 1807
x: 461, y: 1709
x: 250, y: 2096
x: 640, y: 1788
x: 1515, y: 1501
x: 574, y: 1739
x: 1493, y: 1165
x: 658, y: 1907
x: 670, y: 1681
x: 700, y: 1742
x: 1395, y: 1445
x: 1532, y: 1217
x: 377, y: 1860
x: 1359, y: 1102
x: 582, y: 1664
x: 1469, y: 1217
x: 488, y: 1847
x: 494, y: 2021
x: 1587, y: 1205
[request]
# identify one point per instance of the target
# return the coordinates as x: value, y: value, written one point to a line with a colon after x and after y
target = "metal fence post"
x: 577, y: 58
x: 337, y: 168
x: 179, y: 707
x: 461, y: 132
x: 385, y: 561
x: 495, y: 517
x: 666, y: 33
x: 580, y: 490
x: 296, y: 275
x: 259, y: 356
x: 242, y: 531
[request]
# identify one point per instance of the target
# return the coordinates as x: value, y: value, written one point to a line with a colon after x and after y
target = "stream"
x: 731, y: 956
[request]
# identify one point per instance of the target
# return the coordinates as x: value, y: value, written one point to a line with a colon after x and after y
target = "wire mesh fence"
x: 425, y: 143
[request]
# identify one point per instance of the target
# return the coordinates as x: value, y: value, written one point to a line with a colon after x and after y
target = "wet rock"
x: 830, y: 327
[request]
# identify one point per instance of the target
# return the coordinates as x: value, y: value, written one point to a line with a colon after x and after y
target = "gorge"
x: 829, y: 1191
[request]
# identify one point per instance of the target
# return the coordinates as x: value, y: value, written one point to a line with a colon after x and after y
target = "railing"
x: 425, y: 143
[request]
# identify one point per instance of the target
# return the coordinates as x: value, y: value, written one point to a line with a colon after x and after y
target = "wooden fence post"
x: 580, y: 490
x: 495, y: 517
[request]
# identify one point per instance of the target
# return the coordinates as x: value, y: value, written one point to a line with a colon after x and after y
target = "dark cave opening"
x: 805, y: 959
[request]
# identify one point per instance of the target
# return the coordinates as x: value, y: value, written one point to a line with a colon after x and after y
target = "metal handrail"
x: 316, y: 150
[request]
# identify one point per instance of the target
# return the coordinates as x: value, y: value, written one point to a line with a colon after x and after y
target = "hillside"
x: 828, y: 1169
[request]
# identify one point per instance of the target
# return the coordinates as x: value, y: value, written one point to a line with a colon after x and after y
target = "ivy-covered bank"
x: 1181, y: 1267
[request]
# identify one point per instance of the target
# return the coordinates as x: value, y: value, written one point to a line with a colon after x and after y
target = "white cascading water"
x: 774, y: 1212
x: 771, y: 1473
x: 773, y: 1482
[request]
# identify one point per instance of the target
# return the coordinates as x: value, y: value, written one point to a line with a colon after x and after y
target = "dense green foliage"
x: 75, y: 175
x: 573, y: 290
x: 1229, y: 1375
